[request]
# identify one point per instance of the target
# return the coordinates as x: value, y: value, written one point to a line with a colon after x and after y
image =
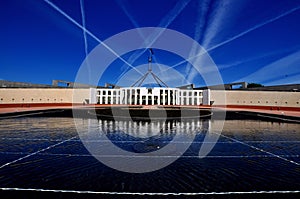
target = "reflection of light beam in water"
x: 89, y: 33
x: 165, y: 22
x: 239, y: 35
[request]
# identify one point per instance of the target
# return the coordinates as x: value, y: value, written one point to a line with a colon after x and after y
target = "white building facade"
x: 149, y: 96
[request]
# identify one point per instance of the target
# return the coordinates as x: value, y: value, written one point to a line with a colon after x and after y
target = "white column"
x: 117, y: 97
x: 168, y: 96
x: 173, y: 103
x: 193, y: 98
x: 106, y: 97
x: 164, y: 97
x: 135, y: 96
x: 100, y: 96
x: 125, y: 96
x: 130, y: 96
x: 158, y: 98
x: 152, y: 99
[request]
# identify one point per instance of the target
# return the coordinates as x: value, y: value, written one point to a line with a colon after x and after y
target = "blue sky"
x: 249, y: 40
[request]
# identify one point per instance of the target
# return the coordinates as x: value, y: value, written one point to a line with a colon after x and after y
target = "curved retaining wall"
x: 256, y: 99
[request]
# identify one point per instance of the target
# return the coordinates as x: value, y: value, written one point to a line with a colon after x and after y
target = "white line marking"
x: 150, y: 156
x: 262, y: 150
x: 131, y: 141
x: 39, y: 151
x: 148, y: 193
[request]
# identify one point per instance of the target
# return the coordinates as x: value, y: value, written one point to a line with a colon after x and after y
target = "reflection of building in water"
x: 150, y: 96
x: 147, y: 129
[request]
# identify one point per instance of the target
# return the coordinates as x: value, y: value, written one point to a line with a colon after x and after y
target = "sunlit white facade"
x: 149, y: 96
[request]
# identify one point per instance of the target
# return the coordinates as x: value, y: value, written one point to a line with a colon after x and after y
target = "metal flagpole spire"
x: 155, y: 77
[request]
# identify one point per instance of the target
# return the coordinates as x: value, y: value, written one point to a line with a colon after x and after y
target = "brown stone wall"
x: 42, y: 95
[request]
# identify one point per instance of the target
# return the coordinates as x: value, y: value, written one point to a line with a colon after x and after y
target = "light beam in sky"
x: 85, y: 38
x: 277, y: 70
x: 165, y: 22
x: 241, y: 34
x: 84, y: 28
x: 89, y: 33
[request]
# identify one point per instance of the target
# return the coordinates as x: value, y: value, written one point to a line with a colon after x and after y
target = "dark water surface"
x: 47, y: 153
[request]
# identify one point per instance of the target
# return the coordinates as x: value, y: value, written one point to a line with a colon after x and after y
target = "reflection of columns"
x: 135, y: 128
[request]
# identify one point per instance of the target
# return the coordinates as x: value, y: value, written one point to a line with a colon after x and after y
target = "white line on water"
x: 91, y: 34
x: 259, y: 149
x: 151, y: 156
x: 149, y: 193
x: 132, y: 141
x: 39, y: 151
